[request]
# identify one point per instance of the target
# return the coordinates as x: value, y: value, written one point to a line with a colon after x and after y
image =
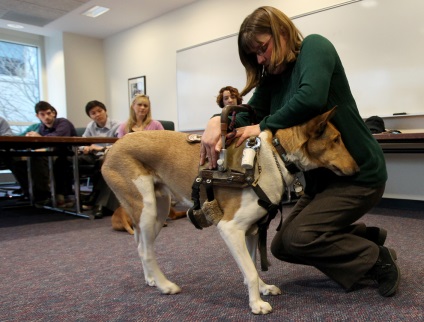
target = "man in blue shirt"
x: 102, y: 198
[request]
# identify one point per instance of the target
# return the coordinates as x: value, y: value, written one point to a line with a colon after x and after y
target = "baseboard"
x: 401, y: 204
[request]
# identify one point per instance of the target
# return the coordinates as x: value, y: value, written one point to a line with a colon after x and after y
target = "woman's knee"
x: 291, y: 241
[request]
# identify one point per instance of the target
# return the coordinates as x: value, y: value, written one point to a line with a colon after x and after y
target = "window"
x: 19, y: 83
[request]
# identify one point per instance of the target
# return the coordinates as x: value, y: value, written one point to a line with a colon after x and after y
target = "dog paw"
x: 269, y: 290
x: 150, y: 282
x: 170, y: 288
x: 261, y: 307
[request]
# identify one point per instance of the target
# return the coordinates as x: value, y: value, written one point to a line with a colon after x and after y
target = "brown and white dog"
x: 145, y: 169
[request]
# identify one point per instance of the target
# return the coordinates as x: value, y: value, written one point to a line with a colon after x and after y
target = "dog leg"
x: 163, y: 202
x: 252, y: 246
x: 235, y: 240
x: 150, y: 226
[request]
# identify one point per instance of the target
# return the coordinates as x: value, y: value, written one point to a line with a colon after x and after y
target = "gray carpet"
x: 56, y: 267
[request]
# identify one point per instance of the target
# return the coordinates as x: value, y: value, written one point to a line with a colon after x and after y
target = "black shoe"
x: 386, y: 272
x: 98, y: 212
x: 376, y: 235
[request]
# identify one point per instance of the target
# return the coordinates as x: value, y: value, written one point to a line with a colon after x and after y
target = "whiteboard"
x: 201, y: 72
x: 381, y: 47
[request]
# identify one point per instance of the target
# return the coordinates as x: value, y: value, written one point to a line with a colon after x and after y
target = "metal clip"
x: 253, y: 143
x: 298, y: 187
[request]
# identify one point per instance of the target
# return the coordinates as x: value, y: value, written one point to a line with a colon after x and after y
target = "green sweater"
x: 311, y: 85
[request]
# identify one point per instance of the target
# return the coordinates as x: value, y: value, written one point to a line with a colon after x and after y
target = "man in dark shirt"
x: 50, y: 126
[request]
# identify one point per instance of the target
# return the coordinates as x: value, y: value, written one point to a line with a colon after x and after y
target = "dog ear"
x: 322, y: 120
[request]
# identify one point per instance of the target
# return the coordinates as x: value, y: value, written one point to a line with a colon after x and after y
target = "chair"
x: 168, y: 125
x: 80, y: 130
x: 85, y: 171
x: 8, y: 188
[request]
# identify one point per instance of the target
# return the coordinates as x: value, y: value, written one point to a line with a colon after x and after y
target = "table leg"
x: 30, y: 181
x: 76, y: 179
x: 52, y: 183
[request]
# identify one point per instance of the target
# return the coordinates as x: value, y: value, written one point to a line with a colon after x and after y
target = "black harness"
x: 241, y: 180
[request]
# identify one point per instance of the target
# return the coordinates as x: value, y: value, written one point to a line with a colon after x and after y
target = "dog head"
x: 317, y: 143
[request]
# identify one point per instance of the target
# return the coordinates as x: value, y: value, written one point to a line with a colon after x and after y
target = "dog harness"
x: 210, y: 213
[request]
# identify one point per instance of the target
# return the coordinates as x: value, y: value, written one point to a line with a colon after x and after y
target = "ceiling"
x: 45, y: 17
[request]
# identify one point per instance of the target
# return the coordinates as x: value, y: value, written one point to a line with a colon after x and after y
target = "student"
x: 228, y: 95
x: 100, y: 126
x: 5, y: 129
x: 49, y: 126
x: 35, y: 127
x: 296, y: 79
x: 140, y: 118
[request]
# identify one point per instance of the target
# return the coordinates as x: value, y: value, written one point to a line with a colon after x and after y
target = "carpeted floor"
x: 56, y: 267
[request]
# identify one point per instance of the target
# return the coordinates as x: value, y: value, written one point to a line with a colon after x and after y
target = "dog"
x: 121, y: 221
x: 145, y: 169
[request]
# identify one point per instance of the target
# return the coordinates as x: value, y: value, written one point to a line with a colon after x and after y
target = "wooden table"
x: 54, y: 145
x: 401, y: 143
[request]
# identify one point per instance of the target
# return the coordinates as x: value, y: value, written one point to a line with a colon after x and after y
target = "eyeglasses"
x: 263, y: 48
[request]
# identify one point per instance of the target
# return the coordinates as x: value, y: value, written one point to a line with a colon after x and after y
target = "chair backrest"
x: 80, y: 130
x: 168, y: 125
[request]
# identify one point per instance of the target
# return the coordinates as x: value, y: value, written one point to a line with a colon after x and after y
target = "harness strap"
x: 263, y: 224
x: 283, y: 154
x: 209, y: 189
x: 195, y: 196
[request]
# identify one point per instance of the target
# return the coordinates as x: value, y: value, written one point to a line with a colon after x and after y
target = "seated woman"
x: 228, y: 95
x: 140, y: 118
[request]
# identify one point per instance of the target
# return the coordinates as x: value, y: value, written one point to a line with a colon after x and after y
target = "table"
x: 26, y: 145
x: 401, y: 143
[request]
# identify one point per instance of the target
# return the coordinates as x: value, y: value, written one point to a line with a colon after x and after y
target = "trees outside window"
x: 19, y: 82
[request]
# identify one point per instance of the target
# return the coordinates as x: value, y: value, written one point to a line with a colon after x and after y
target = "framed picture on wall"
x: 136, y: 85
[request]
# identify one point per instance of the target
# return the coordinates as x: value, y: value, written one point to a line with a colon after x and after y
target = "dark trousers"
x: 101, y: 194
x: 63, y: 175
x: 321, y: 232
x: 40, y: 176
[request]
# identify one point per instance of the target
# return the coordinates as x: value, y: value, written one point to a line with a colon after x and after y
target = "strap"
x: 290, y: 166
x: 263, y: 224
x: 195, y: 196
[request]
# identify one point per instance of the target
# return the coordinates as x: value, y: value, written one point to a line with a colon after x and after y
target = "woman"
x: 295, y: 80
x: 228, y: 95
x: 140, y: 118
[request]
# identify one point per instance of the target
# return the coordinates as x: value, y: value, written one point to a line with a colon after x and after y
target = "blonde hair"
x: 132, y: 120
x: 266, y: 20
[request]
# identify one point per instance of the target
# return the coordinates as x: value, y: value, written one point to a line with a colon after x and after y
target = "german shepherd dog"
x: 145, y: 169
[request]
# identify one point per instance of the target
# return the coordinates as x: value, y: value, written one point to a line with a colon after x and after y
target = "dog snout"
x: 345, y: 169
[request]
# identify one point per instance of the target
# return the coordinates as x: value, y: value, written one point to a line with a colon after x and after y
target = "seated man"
x: 5, y: 130
x: 49, y: 126
x: 102, y: 197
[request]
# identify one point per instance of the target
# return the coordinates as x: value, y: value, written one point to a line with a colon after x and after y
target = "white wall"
x: 150, y: 49
x: 55, y: 91
x: 85, y: 78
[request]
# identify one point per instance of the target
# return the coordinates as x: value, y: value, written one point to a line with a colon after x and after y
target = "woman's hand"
x: 246, y: 132
x: 210, y: 145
